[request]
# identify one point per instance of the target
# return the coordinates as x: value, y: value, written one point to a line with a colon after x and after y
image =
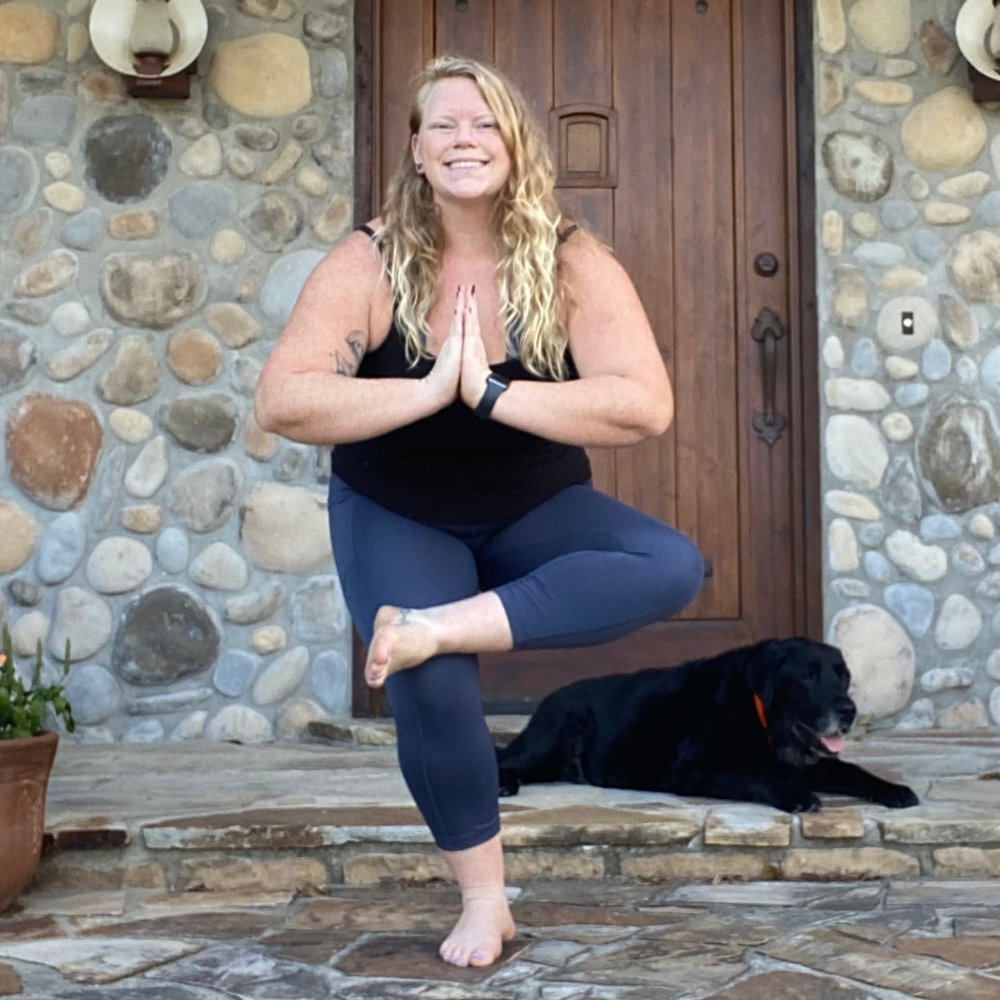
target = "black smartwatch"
x: 495, y: 384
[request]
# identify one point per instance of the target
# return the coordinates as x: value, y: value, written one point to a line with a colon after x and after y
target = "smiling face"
x: 459, y: 143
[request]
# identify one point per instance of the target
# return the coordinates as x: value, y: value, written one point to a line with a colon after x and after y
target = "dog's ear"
x: 765, y: 661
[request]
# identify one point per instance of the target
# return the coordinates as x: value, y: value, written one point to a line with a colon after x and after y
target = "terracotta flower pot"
x: 25, y: 766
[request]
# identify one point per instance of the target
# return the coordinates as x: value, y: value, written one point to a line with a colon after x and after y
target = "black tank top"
x: 452, y: 467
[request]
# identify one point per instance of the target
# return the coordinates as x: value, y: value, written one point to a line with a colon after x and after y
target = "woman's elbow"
x: 658, y: 416
x: 664, y: 418
x: 263, y: 408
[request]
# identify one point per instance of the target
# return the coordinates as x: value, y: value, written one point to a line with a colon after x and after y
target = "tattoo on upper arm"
x: 349, y: 365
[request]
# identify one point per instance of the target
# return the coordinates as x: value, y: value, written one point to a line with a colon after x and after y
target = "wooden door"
x: 672, y: 124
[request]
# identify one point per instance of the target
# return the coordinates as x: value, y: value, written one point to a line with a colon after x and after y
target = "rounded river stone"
x: 126, y: 157
x: 165, y: 634
x: 960, y: 455
x: 859, y: 164
x: 18, y: 180
x: 152, y: 290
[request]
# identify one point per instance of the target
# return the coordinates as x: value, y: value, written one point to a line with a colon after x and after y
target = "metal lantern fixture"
x: 152, y: 43
x: 977, y: 31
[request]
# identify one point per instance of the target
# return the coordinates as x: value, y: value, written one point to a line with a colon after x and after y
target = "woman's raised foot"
x: 402, y: 637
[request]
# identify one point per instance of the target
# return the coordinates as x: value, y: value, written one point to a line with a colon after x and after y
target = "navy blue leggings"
x: 579, y: 569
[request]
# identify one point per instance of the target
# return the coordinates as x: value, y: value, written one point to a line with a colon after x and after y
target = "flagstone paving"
x: 219, y: 872
x: 583, y: 940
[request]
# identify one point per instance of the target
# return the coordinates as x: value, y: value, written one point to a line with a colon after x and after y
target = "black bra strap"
x: 368, y: 230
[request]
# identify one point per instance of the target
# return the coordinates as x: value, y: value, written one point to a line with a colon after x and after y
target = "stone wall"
x: 909, y: 283
x: 152, y: 251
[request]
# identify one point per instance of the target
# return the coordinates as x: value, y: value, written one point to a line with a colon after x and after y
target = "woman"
x: 493, y: 342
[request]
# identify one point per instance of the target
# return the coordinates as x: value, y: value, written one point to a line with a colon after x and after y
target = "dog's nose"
x: 848, y: 713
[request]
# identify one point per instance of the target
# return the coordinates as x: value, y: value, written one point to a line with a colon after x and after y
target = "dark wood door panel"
x: 643, y: 61
x: 465, y: 32
x: 523, y: 49
x: 402, y: 52
x: 704, y: 309
x: 581, y: 51
x: 766, y: 119
x: 515, y: 684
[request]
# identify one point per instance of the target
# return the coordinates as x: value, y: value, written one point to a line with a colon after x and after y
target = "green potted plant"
x: 27, y: 751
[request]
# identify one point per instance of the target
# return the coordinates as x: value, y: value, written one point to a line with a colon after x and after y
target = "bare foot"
x: 478, y: 937
x: 403, y: 637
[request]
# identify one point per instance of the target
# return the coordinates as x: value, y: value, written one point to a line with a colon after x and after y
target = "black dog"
x: 762, y: 723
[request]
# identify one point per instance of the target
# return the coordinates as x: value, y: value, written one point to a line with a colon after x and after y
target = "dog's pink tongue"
x: 833, y: 743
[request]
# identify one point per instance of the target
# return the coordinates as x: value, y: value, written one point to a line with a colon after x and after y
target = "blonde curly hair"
x: 525, y: 222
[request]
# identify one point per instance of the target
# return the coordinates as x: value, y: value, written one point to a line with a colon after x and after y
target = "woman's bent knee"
x: 680, y: 570
x: 693, y: 575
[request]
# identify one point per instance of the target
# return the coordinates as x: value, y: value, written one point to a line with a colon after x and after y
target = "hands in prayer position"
x: 461, y: 367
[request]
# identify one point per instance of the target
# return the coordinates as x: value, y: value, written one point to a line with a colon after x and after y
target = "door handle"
x: 767, y: 331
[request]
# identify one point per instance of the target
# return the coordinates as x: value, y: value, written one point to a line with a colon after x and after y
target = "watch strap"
x: 495, y: 385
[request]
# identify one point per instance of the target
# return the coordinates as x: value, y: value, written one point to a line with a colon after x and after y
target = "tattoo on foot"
x: 403, y: 618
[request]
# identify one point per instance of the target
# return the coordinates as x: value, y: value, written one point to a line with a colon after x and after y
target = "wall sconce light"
x: 154, y: 44
x: 977, y: 31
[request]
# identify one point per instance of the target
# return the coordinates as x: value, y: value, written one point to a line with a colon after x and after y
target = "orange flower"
x: 3, y: 659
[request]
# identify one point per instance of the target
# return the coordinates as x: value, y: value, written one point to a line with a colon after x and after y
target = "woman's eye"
x: 488, y: 125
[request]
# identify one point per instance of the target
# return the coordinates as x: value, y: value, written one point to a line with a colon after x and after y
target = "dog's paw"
x: 799, y: 802
x: 899, y: 797
x: 510, y: 784
x: 811, y: 804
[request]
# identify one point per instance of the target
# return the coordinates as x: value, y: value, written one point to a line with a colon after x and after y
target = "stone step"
x: 291, y: 848
x: 283, y: 818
